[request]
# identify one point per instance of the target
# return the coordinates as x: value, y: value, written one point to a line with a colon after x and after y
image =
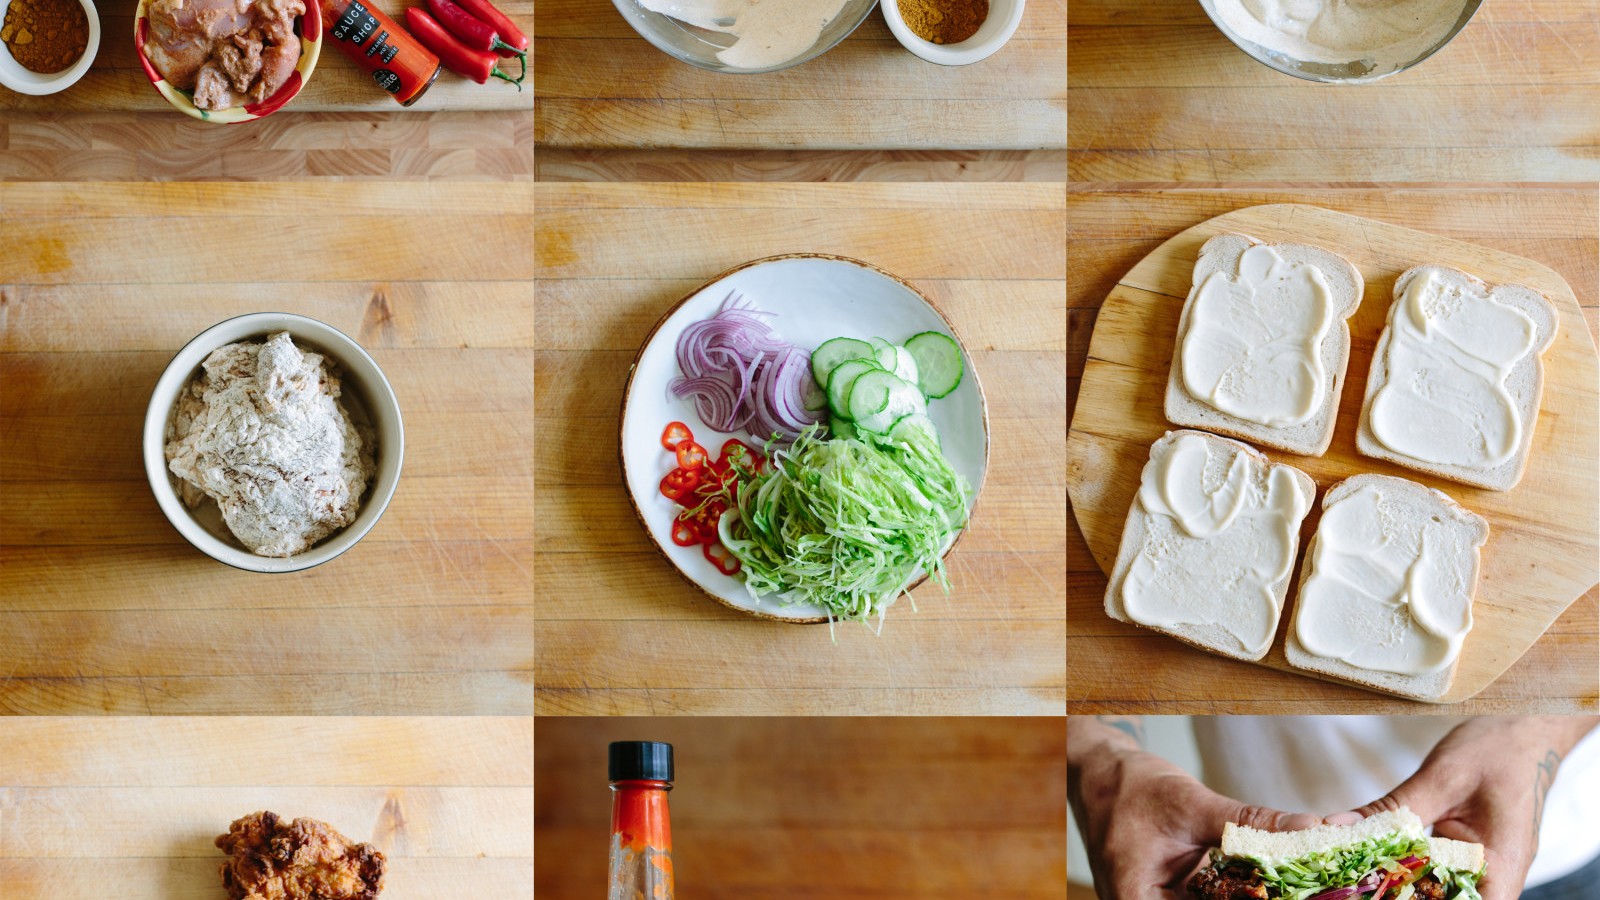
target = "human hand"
x: 1486, y: 783
x: 1145, y: 822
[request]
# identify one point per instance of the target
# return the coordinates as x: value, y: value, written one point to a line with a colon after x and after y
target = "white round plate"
x: 814, y: 297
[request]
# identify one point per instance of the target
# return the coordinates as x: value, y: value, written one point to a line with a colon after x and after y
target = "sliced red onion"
x: 741, y: 375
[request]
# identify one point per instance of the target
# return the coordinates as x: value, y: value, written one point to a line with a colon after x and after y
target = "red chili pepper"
x: 722, y: 558
x: 691, y: 455
x: 485, y: 12
x: 679, y: 484
x: 473, y: 32
x: 674, y: 434
x: 750, y: 454
x: 683, y: 533
x: 477, y: 65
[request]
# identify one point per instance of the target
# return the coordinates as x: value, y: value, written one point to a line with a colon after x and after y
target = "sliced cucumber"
x: 916, y: 421
x: 939, y: 366
x: 869, y: 397
x: 827, y: 357
x: 843, y: 429
x: 883, y: 352
x: 840, y: 381
x: 899, y: 399
x: 905, y: 365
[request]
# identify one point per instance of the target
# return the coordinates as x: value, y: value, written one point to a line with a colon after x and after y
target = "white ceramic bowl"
x: 699, y: 47
x: 1001, y: 24
x: 813, y: 297
x: 364, y: 387
x: 26, y: 81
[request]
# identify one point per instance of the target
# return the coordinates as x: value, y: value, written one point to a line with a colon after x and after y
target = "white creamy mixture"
x: 769, y: 32
x: 1389, y: 33
x: 1448, y: 356
x: 1254, y: 344
x: 1221, y: 531
x: 264, y: 434
x: 1380, y: 594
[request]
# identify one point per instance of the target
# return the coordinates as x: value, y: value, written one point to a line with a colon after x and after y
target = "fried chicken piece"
x: 301, y: 860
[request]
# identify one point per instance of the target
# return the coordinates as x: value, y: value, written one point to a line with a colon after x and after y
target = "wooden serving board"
x: 910, y: 807
x: 602, y: 85
x: 619, y: 632
x: 116, y: 82
x: 1159, y: 94
x: 101, y: 807
x: 106, y: 608
x: 1543, y: 542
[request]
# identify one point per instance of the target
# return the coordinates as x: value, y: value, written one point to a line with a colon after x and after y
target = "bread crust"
x: 1211, y: 638
x: 1430, y: 688
x: 1311, y: 438
x: 1528, y: 375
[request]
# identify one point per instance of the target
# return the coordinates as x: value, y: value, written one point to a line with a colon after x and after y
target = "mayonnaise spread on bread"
x: 1388, y: 33
x: 1444, y: 398
x: 1253, y: 347
x: 1388, y: 589
x: 1221, y: 530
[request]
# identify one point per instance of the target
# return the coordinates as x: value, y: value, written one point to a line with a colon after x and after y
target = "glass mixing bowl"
x: 699, y: 47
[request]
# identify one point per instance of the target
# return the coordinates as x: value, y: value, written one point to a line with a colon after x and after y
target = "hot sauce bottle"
x: 641, y: 833
x: 394, y: 59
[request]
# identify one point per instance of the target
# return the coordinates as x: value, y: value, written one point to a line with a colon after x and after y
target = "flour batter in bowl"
x: 1340, y: 40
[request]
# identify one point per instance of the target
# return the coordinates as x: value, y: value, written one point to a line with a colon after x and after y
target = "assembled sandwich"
x: 1384, y: 857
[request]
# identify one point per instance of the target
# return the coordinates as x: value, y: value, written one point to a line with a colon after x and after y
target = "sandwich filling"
x: 1386, y: 591
x: 1448, y: 354
x: 1221, y: 530
x: 1253, y: 348
x: 1395, y: 864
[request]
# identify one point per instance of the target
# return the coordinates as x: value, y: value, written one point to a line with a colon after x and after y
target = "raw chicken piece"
x: 225, y: 51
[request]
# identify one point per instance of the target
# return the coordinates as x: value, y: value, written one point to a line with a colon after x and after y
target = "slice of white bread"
x: 1275, y: 847
x: 1221, y: 254
x: 1524, y: 382
x: 1159, y: 539
x: 1405, y: 504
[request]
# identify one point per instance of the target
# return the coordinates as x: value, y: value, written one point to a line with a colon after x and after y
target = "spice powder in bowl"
x: 944, y: 21
x: 45, y: 36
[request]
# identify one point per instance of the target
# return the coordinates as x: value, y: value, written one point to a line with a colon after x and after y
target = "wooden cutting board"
x: 1159, y: 94
x: 602, y: 85
x: 909, y: 807
x: 107, y: 608
x: 1543, y: 544
x: 619, y: 632
x: 100, y: 807
x: 116, y: 83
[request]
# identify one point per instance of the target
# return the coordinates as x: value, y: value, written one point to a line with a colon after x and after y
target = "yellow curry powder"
x: 944, y: 21
x: 45, y: 36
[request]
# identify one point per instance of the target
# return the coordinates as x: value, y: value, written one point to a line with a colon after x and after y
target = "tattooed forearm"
x: 1543, y: 777
x: 1132, y: 726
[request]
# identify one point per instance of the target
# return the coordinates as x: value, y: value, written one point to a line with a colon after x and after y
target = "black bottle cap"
x: 641, y: 761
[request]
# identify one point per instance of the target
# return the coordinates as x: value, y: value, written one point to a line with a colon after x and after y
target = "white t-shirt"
x: 1328, y: 764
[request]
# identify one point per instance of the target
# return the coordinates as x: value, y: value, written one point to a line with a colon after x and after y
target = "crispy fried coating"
x: 270, y: 859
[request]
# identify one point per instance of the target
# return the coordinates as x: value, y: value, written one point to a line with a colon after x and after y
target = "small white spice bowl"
x: 365, y: 392
x: 26, y: 81
x: 1001, y: 24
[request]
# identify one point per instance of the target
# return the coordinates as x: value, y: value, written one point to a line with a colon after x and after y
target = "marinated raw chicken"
x: 263, y: 432
x: 300, y: 860
x: 227, y: 52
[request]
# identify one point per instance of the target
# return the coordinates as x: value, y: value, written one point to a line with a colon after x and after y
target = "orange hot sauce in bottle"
x: 641, y: 830
x: 384, y: 50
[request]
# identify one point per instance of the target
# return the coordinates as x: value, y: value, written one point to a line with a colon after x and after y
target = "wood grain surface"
x: 619, y: 631
x: 100, y: 807
x: 116, y: 82
x: 1159, y: 94
x: 838, y: 808
x: 602, y: 85
x: 107, y: 608
x: 800, y: 165
x: 1112, y: 230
